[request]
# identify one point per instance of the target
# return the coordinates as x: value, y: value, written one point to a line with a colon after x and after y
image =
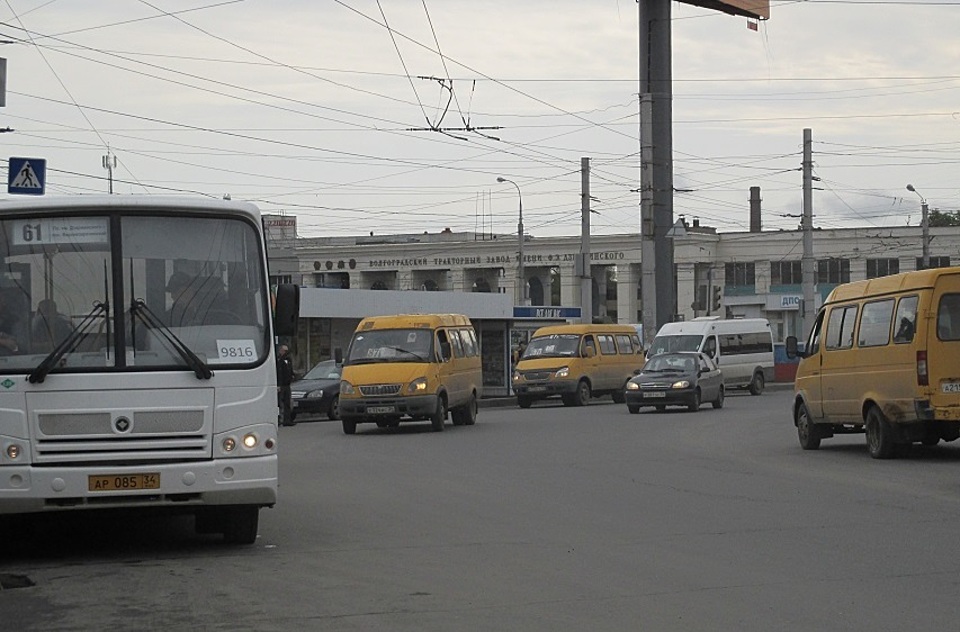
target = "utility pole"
x: 925, y: 229
x: 586, y: 276
x: 109, y: 162
x: 807, y: 263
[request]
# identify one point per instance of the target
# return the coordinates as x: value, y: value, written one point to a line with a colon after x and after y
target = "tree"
x: 944, y: 218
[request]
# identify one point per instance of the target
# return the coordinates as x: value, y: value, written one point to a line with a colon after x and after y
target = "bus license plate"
x: 655, y: 394
x: 950, y: 387
x: 123, y: 482
x: 380, y: 410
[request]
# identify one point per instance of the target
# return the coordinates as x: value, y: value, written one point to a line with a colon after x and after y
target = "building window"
x: 277, y: 279
x: 935, y: 262
x: 833, y: 271
x: 786, y: 273
x: 882, y: 267
x: 740, y: 274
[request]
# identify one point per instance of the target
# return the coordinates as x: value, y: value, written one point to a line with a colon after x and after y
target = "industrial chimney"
x: 755, y: 224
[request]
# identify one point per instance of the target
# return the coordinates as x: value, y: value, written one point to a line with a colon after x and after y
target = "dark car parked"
x: 318, y: 391
x: 685, y: 378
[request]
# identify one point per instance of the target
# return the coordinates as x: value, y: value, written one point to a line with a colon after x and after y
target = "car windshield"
x: 563, y: 345
x: 667, y: 344
x: 326, y: 370
x: 670, y: 362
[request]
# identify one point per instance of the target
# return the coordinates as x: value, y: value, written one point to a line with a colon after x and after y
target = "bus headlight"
x: 250, y: 441
x: 419, y: 385
x: 346, y: 388
x: 563, y: 372
x: 229, y: 444
x: 13, y: 451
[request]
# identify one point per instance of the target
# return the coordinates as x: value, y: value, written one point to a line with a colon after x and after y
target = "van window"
x: 906, y: 319
x: 588, y: 343
x: 444, y: 348
x: 813, y: 341
x: 948, y: 317
x: 875, y: 323
x: 607, y: 345
x: 457, y: 344
x: 669, y: 344
x: 840, y: 327
x: 729, y: 344
x: 469, y: 342
x: 625, y: 344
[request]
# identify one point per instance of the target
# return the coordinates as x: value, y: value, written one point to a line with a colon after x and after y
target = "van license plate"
x: 655, y: 394
x: 950, y: 387
x: 123, y: 482
x: 380, y: 410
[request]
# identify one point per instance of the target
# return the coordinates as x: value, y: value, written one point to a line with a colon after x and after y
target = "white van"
x: 743, y: 347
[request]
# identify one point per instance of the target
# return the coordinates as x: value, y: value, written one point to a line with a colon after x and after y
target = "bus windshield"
x: 125, y: 291
x: 391, y: 345
x: 667, y: 344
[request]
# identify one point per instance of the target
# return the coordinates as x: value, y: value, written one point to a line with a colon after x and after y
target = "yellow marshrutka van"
x: 883, y: 357
x: 577, y: 362
x: 411, y: 367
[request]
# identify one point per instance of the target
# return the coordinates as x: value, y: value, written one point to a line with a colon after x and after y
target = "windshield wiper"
x: 67, y: 345
x: 140, y: 311
x: 408, y: 352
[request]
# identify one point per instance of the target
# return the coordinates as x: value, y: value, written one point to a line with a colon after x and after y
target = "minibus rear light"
x: 923, y: 379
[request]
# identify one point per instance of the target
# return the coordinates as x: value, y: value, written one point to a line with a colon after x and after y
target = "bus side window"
x: 710, y: 347
x: 906, y: 319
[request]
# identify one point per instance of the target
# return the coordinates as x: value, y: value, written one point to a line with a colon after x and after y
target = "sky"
x: 360, y: 117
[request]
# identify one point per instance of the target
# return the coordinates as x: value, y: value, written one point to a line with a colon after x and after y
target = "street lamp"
x: 521, y: 278
x: 925, y: 228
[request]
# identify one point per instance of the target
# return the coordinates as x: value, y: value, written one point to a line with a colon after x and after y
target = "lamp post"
x: 521, y: 277
x: 925, y: 228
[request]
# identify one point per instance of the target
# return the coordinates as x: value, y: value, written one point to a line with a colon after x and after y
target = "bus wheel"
x: 879, y: 435
x: 349, y: 427
x: 240, y: 524
x: 757, y: 384
x: 807, y: 431
x: 582, y: 397
x: 439, y: 415
x: 524, y: 402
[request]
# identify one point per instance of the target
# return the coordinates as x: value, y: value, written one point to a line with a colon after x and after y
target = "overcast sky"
x: 316, y: 108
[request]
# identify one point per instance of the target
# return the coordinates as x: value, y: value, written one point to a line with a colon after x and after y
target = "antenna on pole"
x: 109, y: 162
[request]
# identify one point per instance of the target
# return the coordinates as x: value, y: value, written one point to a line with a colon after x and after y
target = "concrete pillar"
x: 628, y: 277
x: 686, y: 289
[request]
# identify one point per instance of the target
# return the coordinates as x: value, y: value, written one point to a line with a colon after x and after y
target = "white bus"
x: 137, y: 362
x: 742, y: 347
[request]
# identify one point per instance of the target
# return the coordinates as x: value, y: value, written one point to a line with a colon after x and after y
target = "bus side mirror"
x: 287, y: 310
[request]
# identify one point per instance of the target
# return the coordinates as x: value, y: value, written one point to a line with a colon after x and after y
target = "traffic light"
x: 716, y: 298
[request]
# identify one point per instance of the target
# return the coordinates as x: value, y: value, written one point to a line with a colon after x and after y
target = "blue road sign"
x: 26, y: 176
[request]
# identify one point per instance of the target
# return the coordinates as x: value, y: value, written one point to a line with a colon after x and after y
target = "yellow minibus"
x: 577, y: 362
x: 411, y: 367
x: 883, y: 358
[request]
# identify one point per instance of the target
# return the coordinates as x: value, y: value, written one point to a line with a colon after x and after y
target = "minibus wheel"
x: 439, y: 415
x: 349, y: 427
x: 880, y: 440
x: 756, y: 384
x: 524, y: 402
x: 582, y: 397
x: 807, y: 431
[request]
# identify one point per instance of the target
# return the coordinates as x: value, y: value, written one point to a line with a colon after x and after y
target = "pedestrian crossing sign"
x: 26, y: 176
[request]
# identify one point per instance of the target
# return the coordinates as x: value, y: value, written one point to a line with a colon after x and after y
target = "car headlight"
x: 562, y: 372
x: 346, y: 388
x: 633, y: 386
x: 315, y: 395
x: 681, y: 384
x: 419, y: 385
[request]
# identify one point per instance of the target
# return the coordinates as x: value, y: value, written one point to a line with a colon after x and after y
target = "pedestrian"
x: 284, y: 379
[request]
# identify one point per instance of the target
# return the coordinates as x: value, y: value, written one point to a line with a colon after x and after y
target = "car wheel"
x: 807, y: 431
x: 718, y: 402
x: 880, y: 441
x: 439, y: 415
x: 524, y: 402
x: 349, y: 427
x: 334, y: 413
x: 619, y: 396
x: 694, y: 404
x: 633, y: 409
x: 582, y: 397
x: 757, y: 384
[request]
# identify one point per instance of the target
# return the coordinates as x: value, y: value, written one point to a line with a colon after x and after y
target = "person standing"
x: 284, y: 379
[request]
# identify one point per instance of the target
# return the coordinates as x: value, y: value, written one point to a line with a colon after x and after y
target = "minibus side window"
x: 729, y: 344
x: 588, y: 344
x: 813, y: 342
x: 607, y: 345
x: 906, y: 319
x: 469, y: 342
x: 875, y: 323
x: 948, y: 317
x: 625, y: 345
x: 457, y: 343
x: 840, y: 328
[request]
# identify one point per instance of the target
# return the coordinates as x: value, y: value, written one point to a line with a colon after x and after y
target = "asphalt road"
x: 550, y: 518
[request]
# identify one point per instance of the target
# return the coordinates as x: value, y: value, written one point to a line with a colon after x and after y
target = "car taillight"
x: 923, y: 378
